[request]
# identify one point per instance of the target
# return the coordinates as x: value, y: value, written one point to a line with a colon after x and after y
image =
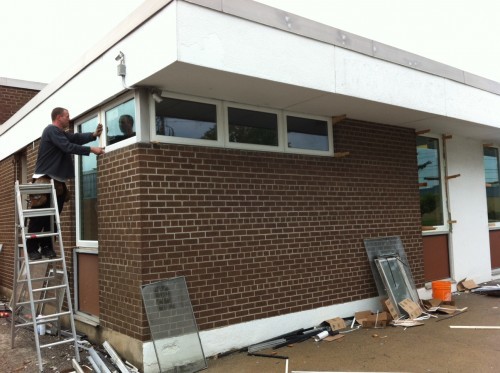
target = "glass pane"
x: 173, y: 326
x: 429, y: 178
x: 120, y: 122
x: 253, y: 127
x: 490, y: 160
x: 304, y: 133
x: 88, y: 187
x: 188, y: 119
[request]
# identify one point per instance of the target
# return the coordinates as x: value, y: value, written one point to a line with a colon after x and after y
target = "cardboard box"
x: 412, y: 309
x: 466, y: 285
x: 367, y: 319
x: 336, y: 323
x: 390, y: 308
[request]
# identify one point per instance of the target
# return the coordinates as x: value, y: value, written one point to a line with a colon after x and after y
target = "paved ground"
x: 433, y: 347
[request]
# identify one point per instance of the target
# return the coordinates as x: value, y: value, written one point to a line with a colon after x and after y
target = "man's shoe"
x: 34, y: 255
x: 49, y: 253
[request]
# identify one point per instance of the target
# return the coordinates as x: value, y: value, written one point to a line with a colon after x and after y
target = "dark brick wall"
x: 256, y: 234
x: 12, y: 99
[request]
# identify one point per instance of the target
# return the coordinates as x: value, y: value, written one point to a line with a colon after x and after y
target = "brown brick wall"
x: 256, y: 234
x: 12, y: 99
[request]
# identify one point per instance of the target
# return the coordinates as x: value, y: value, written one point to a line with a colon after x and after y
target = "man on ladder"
x: 54, y: 162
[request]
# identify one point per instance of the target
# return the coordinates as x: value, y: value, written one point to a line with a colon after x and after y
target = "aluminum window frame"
x: 184, y: 140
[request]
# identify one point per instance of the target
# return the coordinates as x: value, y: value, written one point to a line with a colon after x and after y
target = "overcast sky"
x: 40, y: 39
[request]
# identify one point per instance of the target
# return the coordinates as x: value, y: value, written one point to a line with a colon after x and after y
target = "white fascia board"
x: 219, y: 41
x: 150, y: 48
x: 472, y: 104
x: 376, y: 80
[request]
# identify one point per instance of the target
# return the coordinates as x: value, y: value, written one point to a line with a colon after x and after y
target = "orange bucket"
x: 441, y: 290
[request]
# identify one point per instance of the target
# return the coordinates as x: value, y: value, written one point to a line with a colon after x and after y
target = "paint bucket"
x: 441, y: 290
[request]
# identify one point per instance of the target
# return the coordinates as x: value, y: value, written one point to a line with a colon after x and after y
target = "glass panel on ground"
x: 173, y: 326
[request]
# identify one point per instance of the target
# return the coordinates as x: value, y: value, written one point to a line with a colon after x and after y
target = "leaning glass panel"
x: 120, y: 122
x: 491, y: 167
x: 306, y: 133
x: 187, y: 119
x: 429, y: 179
x: 173, y: 327
x: 252, y: 127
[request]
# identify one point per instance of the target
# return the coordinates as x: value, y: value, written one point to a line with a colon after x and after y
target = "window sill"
x: 87, y: 319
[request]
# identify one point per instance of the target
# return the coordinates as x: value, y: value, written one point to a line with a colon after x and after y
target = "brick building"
x: 244, y: 176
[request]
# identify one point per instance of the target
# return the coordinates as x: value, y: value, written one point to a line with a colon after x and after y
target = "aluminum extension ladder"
x: 38, y: 283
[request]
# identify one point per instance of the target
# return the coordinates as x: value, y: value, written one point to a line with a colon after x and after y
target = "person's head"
x: 126, y: 123
x: 60, y: 117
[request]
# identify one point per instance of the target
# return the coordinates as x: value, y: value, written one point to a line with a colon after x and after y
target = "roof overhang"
x: 246, y: 52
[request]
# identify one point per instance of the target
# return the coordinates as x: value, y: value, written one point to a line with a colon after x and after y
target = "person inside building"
x: 126, y: 123
x: 55, y: 162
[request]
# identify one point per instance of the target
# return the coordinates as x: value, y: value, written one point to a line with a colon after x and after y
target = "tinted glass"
x: 490, y: 160
x: 120, y: 122
x: 252, y: 127
x: 188, y: 119
x: 429, y: 178
x: 304, y: 133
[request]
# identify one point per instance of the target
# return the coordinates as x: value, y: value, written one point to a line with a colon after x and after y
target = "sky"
x: 41, y: 39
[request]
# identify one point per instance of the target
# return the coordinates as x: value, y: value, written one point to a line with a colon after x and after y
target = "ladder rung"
x: 39, y: 188
x: 51, y: 211
x: 52, y: 317
x: 46, y: 300
x: 68, y: 340
x: 48, y: 288
x: 36, y: 279
x: 39, y: 261
x: 40, y: 235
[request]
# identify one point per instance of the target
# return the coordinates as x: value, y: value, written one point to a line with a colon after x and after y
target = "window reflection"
x: 429, y: 178
x: 120, y: 122
x: 305, y: 133
x: 491, y: 167
x: 88, y: 187
x: 252, y: 127
x: 187, y: 119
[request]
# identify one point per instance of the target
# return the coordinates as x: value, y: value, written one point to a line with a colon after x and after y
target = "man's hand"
x: 97, y: 150
x: 98, y: 131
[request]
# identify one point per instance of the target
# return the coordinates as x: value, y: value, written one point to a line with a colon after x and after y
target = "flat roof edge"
x: 23, y: 84
x: 283, y: 20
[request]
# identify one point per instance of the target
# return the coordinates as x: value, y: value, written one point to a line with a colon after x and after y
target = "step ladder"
x: 38, y: 283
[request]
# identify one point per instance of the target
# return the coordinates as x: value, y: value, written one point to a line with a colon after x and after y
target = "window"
x: 309, y: 134
x: 190, y: 120
x: 120, y: 122
x: 252, y: 127
x: 87, y: 178
x: 429, y: 178
x: 185, y: 121
x: 491, y: 171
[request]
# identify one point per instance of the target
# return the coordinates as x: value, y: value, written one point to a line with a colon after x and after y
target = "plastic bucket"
x: 441, y: 290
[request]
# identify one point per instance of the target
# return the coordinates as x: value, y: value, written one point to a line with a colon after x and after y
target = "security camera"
x: 157, y: 97
x: 119, y: 57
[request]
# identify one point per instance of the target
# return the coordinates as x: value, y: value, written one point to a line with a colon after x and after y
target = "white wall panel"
x: 228, y: 43
x: 469, y: 241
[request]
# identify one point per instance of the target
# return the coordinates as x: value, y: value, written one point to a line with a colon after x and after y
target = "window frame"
x: 329, y: 125
x: 110, y: 105
x: 79, y: 242
x: 492, y: 225
x: 246, y: 146
x: 445, y: 228
x: 184, y: 140
x: 80, y: 315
